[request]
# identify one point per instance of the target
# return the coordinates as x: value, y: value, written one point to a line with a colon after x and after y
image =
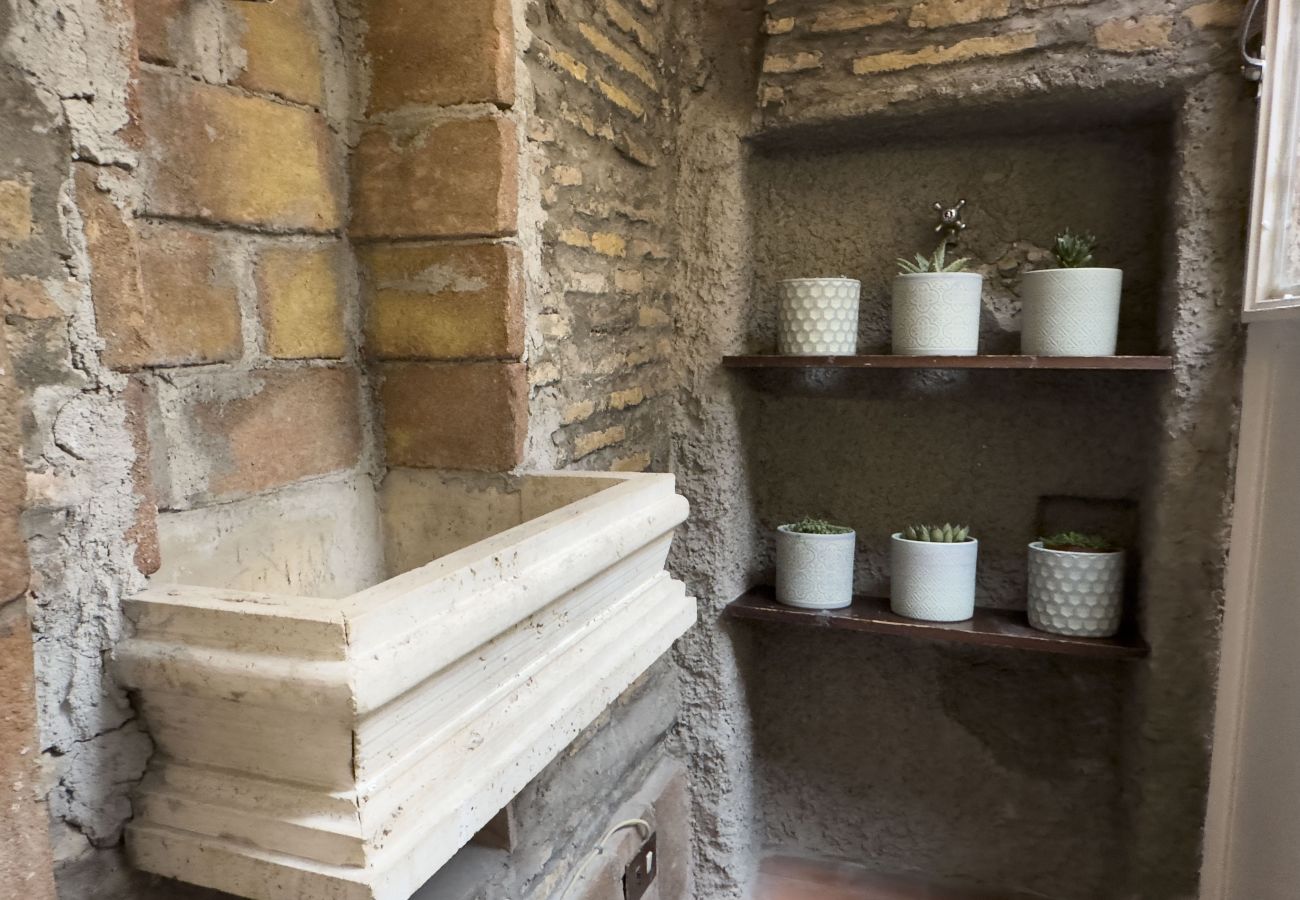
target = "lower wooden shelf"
x: 989, y: 627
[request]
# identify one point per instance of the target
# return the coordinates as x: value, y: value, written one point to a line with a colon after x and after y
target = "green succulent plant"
x: 1075, y: 542
x: 934, y: 263
x: 938, y: 534
x: 1074, y: 251
x: 808, y: 525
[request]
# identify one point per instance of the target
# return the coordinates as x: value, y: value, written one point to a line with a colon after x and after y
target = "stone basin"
x: 347, y: 746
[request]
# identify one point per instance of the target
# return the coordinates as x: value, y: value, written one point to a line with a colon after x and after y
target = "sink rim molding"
x: 345, y: 749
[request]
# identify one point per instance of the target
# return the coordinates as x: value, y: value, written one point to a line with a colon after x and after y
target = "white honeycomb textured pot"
x: 1070, y: 312
x: 933, y: 582
x: 345, y: 749
x: 937, y: 314
x: 818, y: 317
x: 1079, y: 594
x: 814, y: 571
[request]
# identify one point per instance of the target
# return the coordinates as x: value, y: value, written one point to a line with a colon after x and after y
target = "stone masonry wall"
x: 600, y: 140
x: 188, y: 338
x: 435, y: 214
x: 861, y: 102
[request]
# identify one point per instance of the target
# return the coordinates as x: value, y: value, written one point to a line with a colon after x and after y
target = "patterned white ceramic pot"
x: 937, y: 314
x: 1070, y: 312
x: 934, y: 582
x: 818, y: 316
x: 1079, y: 594
x: 814, y: 571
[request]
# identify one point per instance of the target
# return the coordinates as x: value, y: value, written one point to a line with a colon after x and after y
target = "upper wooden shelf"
x: 888, y: 361
x: 989, y: 627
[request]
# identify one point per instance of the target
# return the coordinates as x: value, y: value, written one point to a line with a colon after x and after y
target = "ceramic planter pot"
x: 1079, y: 594
x: 934, y: 582
x: 937, y: 314
x: 814, y: 571
x: 1070, y: 312
x: 818, y: 317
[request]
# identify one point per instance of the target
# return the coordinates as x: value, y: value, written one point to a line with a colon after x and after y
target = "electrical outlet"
x: 640, y: 872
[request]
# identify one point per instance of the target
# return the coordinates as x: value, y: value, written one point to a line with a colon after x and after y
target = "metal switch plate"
x: 640, y: 872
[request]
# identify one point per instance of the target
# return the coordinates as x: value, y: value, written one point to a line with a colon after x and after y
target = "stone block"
x: 941, y: 13
x: 440, y: 52
x: 26, y: 867
x: 461, y: 301
x: 839, y: 20
x: 163, y: 294
x: 794, y: 62
x: 15, y: 211
x: 190, y: 312
x: 961, y: 51
x: 13, y: 481
x: 470, y: 416
x: 281, y: 49
x: 1134, y: 35
x: 242, y: 433
x: 300, y: 302
x: 154, y: 24
x: 215, y: 154
x: 454, y: 179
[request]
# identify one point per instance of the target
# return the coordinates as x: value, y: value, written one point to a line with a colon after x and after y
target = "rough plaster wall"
x: 715, y: 552
x: 90, y: 502
x: 79, y: 450
x: 1133, y: 741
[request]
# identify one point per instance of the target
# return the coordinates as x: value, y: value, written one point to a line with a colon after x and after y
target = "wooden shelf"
x: 989, y: 627
x: 888, y: 361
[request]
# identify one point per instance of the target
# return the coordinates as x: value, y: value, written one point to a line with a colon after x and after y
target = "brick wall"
x: 600, y: 149
x: 830, y: 58
x: 435, y: 216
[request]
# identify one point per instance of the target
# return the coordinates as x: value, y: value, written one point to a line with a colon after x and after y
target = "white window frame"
x: 1277, y: 181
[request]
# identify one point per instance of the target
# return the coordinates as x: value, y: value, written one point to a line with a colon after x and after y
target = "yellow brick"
x: 212, y: 153
x: 972, y: 48
x: 300, y: 302
x: 15, y: 211
x: 938, y: 13
x: 629, y: 280
x: 543, y: 373
x: 575, y: 237
x: 569, y: 176
x: 609, y: 244
x: 637, y: 462
x: 620, y: 57
x: 624, y: 399
x: 1215, y: 14
x: 553, y: 325
x: 443, y: 301
x: 846, y: 20
x: 578, y: 412
x: 771, y: 94
x: 282, y: 51
x: 566, y: 62
x: 625, y: 21
x: 619, y: 97
x: 589, y: 443
x: 778, y: 26
x: 795, y: 62
x: 650, y: 317
x: 1134, y: 35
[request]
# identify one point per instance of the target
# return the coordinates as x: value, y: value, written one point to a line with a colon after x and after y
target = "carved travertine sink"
x: 348, y: 747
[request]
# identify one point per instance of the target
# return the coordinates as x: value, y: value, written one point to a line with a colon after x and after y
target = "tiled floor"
x: 795, y: 878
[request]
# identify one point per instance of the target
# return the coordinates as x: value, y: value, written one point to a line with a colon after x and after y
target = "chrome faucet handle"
x: 950, y: 224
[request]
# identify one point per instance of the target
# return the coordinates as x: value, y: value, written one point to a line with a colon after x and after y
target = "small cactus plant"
x: 1074, y: 251
x: 935, y: 263
x: 938, y: 534
x: 1075, y: 542
x: 808, y: 525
